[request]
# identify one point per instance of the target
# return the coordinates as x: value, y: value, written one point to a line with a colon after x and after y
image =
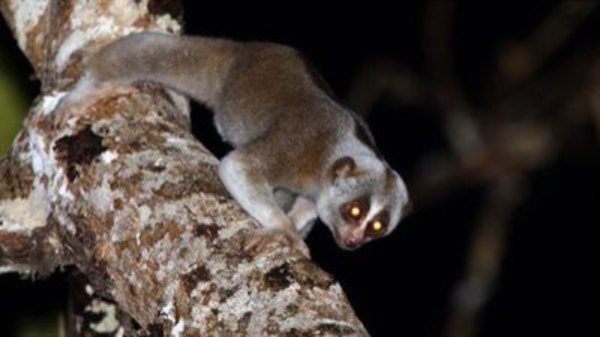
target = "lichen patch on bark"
x: 26, y: 15
x: 24, y: 214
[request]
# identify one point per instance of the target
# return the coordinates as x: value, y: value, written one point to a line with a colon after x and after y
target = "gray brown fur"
x: 286, y: 128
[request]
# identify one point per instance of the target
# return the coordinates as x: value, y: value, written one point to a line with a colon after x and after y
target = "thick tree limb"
x: 126, y: 195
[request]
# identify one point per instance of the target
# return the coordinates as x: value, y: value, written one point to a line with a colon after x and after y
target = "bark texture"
x: 126, y: 195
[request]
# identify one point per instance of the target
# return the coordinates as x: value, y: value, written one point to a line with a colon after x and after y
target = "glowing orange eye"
x: 354, y: 210
x: 377, y: 226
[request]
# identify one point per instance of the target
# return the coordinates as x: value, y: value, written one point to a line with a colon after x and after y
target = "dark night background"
x: 403, y: 285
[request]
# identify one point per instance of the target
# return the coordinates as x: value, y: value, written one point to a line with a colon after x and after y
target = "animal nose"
x: 352, y: 242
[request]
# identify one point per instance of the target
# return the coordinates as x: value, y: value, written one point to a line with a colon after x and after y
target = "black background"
x: 400, y: 286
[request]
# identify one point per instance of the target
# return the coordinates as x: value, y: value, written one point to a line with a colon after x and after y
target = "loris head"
x: 362, y: 200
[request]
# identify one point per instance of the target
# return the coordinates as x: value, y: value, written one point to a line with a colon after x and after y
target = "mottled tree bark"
x: 126, y: 195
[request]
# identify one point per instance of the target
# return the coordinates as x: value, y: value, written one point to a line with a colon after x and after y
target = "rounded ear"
x: 342, y: 168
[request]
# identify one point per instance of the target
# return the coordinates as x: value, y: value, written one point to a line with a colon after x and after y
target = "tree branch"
x: 126, y: 195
